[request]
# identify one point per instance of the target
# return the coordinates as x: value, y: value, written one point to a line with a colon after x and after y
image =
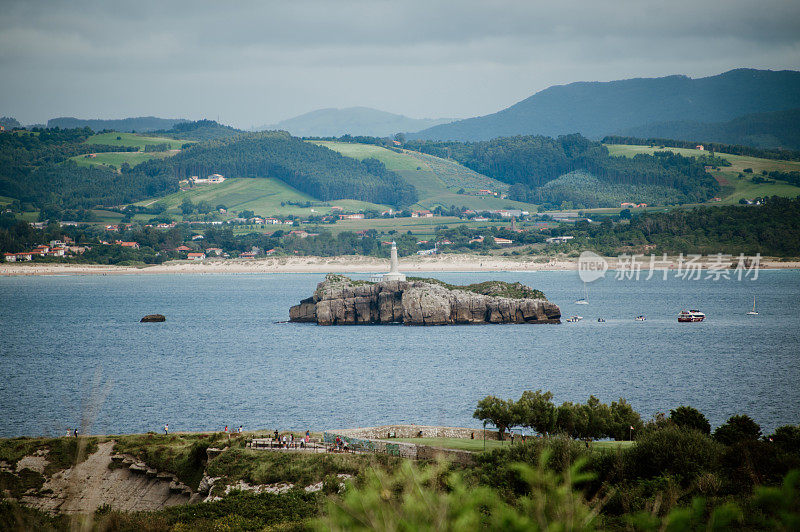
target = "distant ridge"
x: 776, y: 129
x: 139, y: 124
x: 595, y: 109
x: 365, y: 121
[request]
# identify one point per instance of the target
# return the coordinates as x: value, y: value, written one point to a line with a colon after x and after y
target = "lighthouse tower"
x: 394, y: 271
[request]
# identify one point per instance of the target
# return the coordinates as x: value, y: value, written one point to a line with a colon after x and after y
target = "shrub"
x: 736, y: 429
x: 672, y: 451
x: 691, y: 418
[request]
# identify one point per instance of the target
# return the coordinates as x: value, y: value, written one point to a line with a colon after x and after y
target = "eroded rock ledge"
x: 339, y: 300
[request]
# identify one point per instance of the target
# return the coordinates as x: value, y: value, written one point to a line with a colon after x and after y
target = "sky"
x: 255, y: 63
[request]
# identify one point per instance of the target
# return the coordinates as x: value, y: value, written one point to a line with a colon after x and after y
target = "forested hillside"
x: 312, y: 169
x: 34, y: 169
x: 596, y: 109
x: 777, y: 129
x: 530, y: 163
x: 769, y: 229
x: 200, y: 130
x: 140, y: 124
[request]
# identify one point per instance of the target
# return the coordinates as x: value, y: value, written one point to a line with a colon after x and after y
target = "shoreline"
x: 352, y: 264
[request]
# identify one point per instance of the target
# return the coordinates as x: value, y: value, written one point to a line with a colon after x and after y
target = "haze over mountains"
x: 595, y: 109
x: 333, y: 122
x: 744, y: 106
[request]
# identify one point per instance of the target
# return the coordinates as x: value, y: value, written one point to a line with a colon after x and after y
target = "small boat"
x: 640, y: 318
x: 573, y: 319
x: 585, y: 299
x: 753, y: 312
x: 601, y: 320
x: 691, y: 316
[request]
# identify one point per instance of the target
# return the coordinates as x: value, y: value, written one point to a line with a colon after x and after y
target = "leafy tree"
x: 187, y: 207
x: 688, y: 417
x: 498, y: 412
x: 536, y: 411
x: 737, y: 429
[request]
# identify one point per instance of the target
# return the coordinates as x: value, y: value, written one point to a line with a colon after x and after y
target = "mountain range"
x: 595, y: 109
x: 365, y: 121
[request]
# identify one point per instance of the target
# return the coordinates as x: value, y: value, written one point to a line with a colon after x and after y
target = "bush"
x: 683, y: 453
x: 690, y: 418
x: 737, y: 429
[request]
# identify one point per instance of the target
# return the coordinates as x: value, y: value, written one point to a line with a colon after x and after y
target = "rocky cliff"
x: 339, y: 300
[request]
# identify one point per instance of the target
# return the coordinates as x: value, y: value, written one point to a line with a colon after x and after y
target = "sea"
x: 74, y: 354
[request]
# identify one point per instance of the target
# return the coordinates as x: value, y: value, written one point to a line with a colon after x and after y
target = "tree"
x: 691, y: 418
x: 738, y: 429
x: 187, y: 207
x: 536, y: 411
x: 498, y: 412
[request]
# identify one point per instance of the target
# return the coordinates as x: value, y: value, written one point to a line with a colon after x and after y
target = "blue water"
x: 72, y: 346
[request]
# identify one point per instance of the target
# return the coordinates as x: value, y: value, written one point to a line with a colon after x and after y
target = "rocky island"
x: 339, y: 300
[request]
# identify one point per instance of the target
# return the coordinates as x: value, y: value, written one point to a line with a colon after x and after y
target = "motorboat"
x: 573, y: 319
x: 690, y: 316
x: 640, y: 318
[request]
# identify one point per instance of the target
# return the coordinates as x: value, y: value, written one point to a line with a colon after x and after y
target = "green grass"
x: 260, y: 195
x: 462, y: 444
x: 428, y: 175
x: 132, y: 139
x: 116, y: 158
x: 4, y: 200
x: 742, y: 187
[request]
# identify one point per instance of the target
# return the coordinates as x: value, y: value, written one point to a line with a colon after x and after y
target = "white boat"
x: 690, y: 316
x: 640, y: 318
x: 585, y: 299
x: 753, y: 312
x: 573, y: 319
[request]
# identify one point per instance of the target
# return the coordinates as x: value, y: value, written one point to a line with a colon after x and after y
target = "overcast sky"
x: 253, y: 63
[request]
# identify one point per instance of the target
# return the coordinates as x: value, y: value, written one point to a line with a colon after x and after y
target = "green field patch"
x: 743, y: 187
x: 132, y: 140
x: 437, y: 180
x: 263, y: 196
x: 393, y: 160
x: 116, y: 159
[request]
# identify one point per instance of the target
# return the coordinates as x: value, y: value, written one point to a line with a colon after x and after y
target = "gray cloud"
x: 259, y: 62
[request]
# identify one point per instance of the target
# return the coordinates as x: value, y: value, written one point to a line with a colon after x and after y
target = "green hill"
x: 777, y: 129
x: 596, y: 109
x: 437, y: 180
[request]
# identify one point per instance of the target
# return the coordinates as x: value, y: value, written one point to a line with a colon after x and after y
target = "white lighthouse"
x: 394, y: 271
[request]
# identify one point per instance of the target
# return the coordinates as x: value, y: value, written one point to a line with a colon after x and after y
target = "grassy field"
x: 458, y: 443
x: 742, y: 187
x: 116, y: 159
x: 260, y: 195
x: 477, y: 444
x: 132, y: 139
x: 428, y: 179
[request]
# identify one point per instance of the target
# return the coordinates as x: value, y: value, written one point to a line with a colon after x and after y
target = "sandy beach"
x: 349, y: 264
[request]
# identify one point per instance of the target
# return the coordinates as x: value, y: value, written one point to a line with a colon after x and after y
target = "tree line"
x: 530, y: 162
x: 733, y: 149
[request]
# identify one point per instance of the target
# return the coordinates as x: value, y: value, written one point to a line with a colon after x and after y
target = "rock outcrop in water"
x: 339, y: 300
x: 153, y: 318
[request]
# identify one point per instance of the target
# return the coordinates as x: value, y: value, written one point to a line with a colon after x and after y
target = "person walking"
x: 69, y: 433
x: 76, y: 433
x: 226, y: 429
x: 240, y: 429
x: 166, y: 429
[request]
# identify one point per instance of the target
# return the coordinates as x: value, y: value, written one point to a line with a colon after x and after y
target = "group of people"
x: 72, y: 433
x: 290, y: 441
x: 341, y: 445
